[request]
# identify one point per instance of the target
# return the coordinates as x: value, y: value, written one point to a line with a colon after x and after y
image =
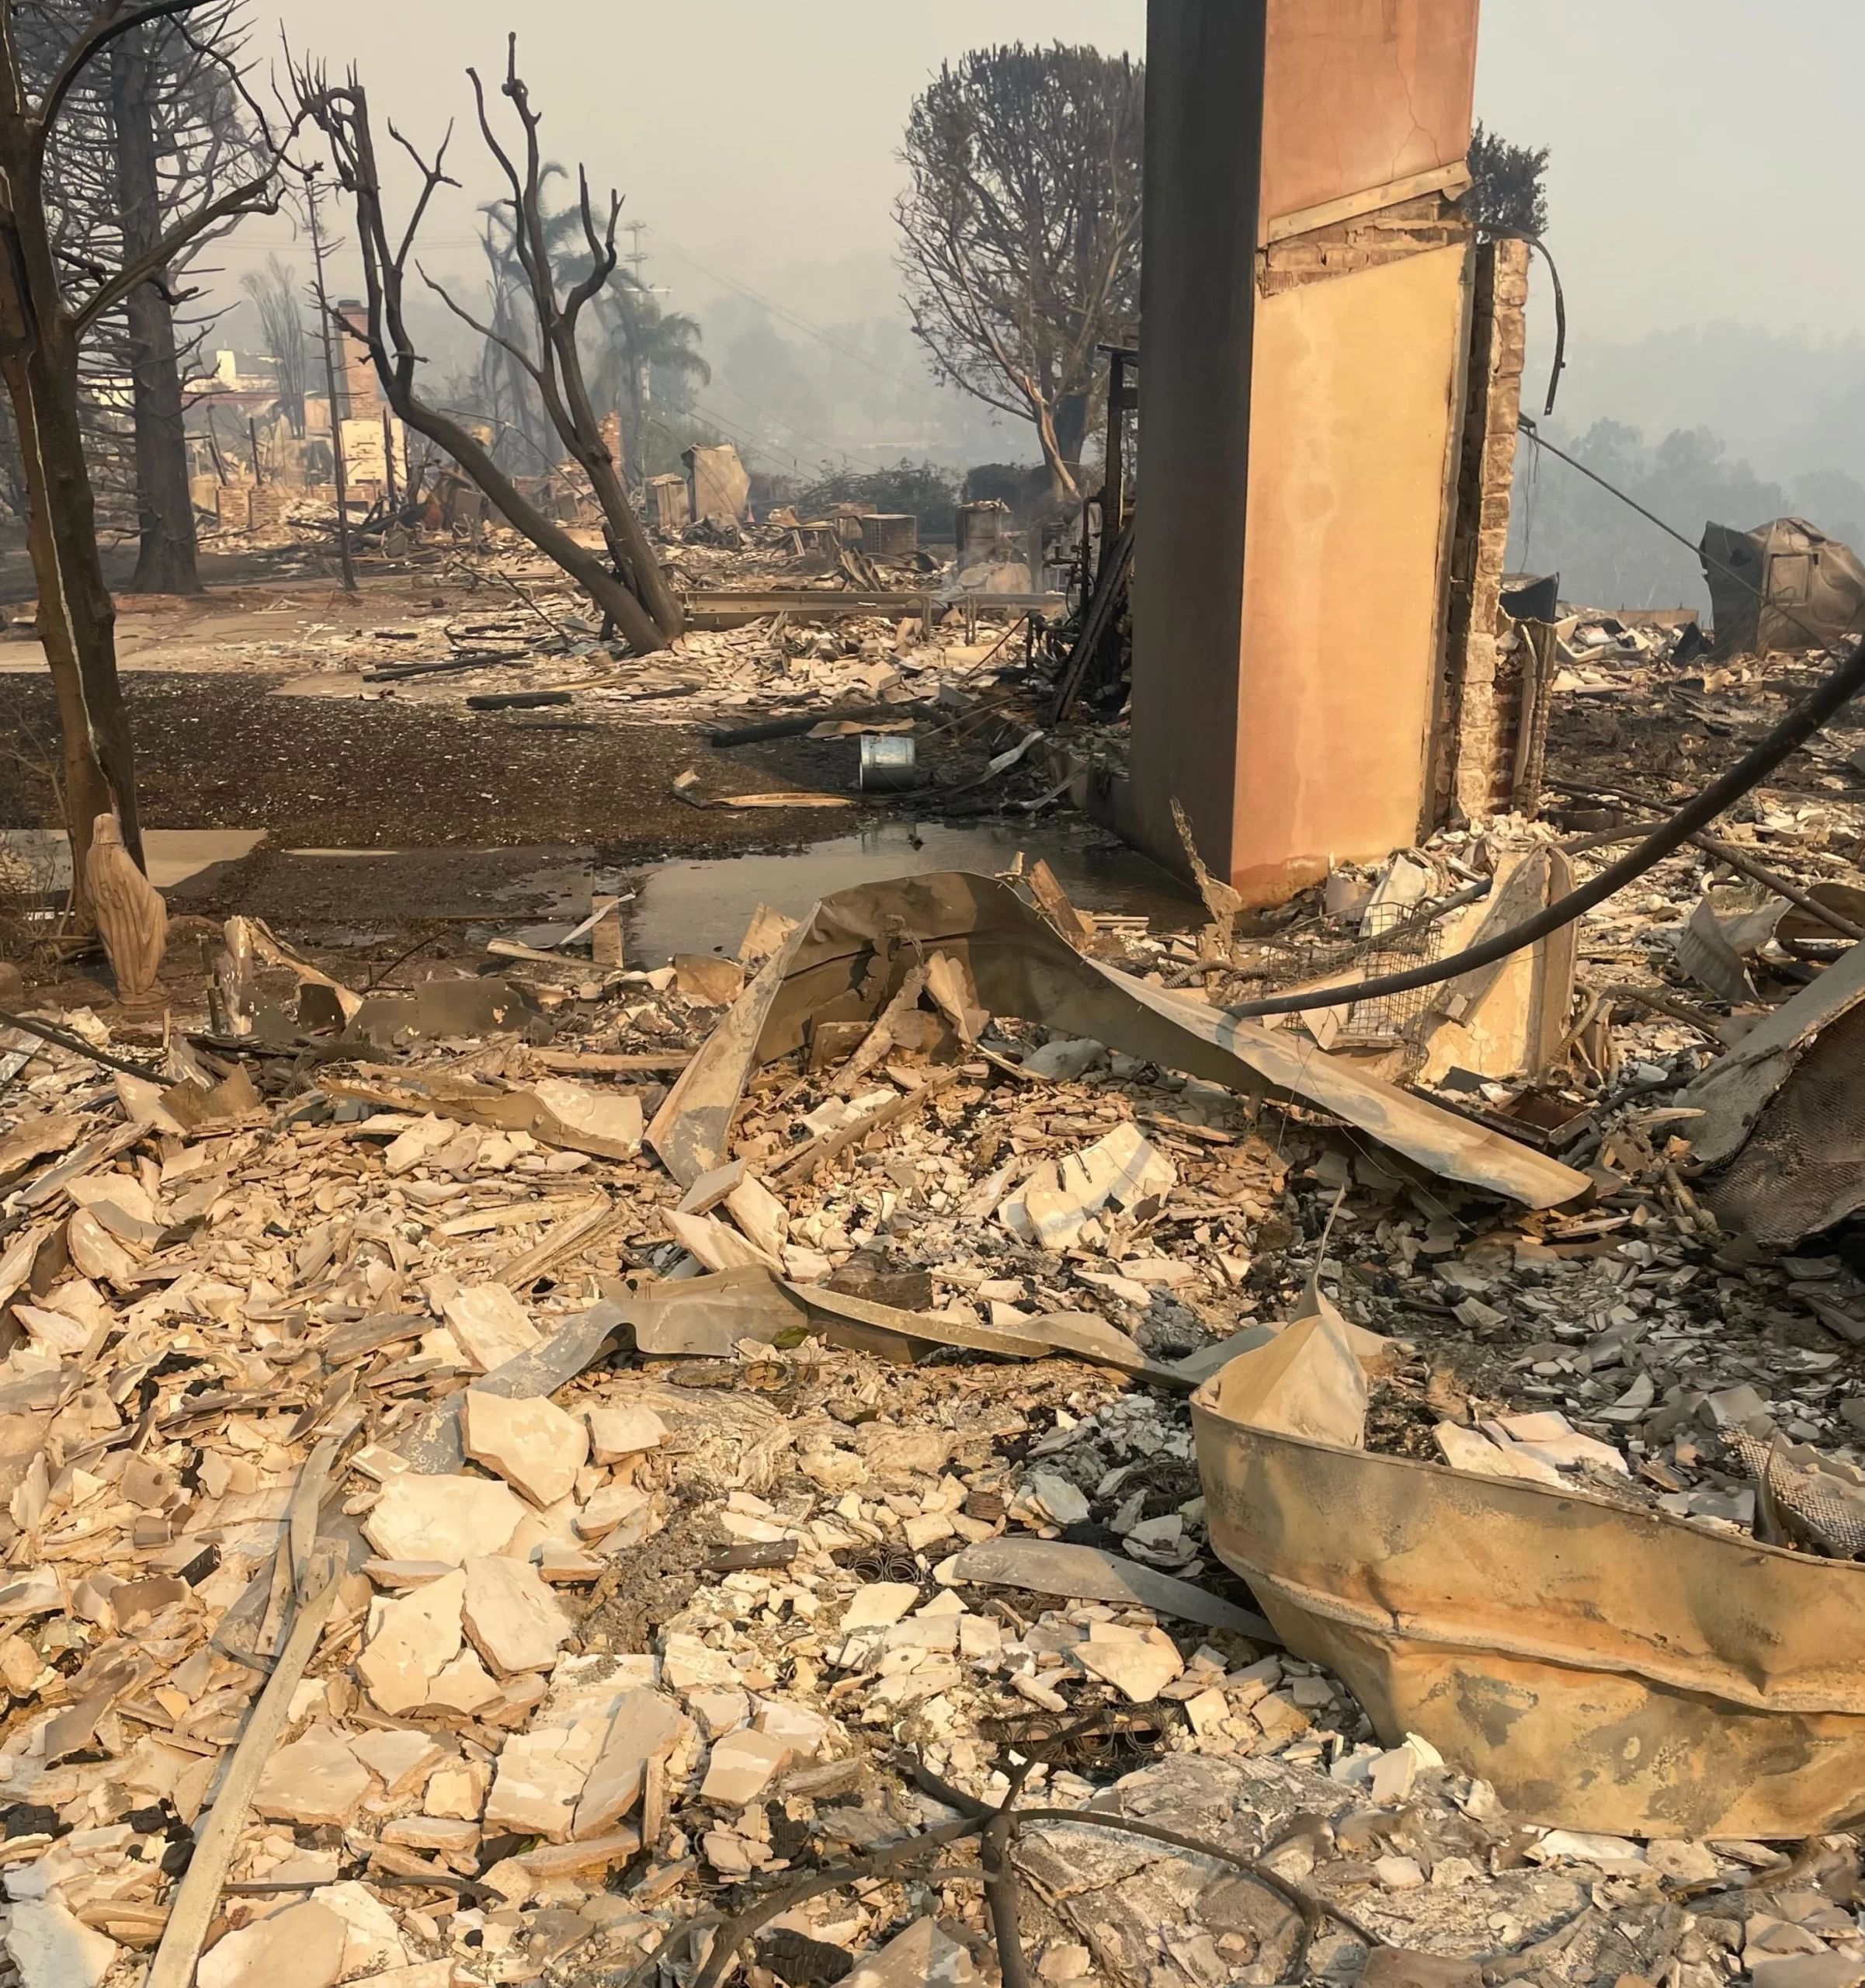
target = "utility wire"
x: 802, y: 323
x: 1840, y: 687
x: 814, y: 441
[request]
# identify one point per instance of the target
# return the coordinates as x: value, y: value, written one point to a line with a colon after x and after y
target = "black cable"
x: 1560, y: 365
x: 1819, y: 641
x: 78, y: 1047
x: 1794, y: 730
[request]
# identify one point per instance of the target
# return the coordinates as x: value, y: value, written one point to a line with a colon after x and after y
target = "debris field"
x: 450, y: 1540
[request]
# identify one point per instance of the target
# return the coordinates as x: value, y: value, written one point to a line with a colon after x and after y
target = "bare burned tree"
x: 47, y: 307
x: 275, y: 293
x: 629, y: 589
x: 155, y: 127
x: 1021, y: 231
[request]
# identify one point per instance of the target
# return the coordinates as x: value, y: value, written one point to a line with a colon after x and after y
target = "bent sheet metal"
x: 1605, y: 1668
x: 847, y: 959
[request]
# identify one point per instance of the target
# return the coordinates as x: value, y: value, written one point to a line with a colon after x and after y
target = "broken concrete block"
x: 410, y: 1642
x: 1398, y: 1967
x: 450, y: 1519
x: 624, y: 1430
x: 316, y: 1779
x: 1140, y: 1668
x: 644, y: 1724
x: 489, y: 1325
x: 534, y: 1445
x: 539, y: 1779
x: 401, y: 1760
x: 924, y: 1956
x: 52, y: 1948
x: 802, y: 1730
x: 516, y: 1622
x: 741, y: 1767
x: 301, y: 1947
x: 878, y: 1605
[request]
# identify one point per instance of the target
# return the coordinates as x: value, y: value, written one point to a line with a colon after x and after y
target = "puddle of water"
x: 173, y: 855
x: 705, y: 906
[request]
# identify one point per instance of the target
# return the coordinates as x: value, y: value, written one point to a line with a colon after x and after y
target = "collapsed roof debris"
x: 514, y: 1479
x: 967, y: 1438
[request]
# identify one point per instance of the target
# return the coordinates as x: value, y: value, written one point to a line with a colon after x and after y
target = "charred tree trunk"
x: 39, y: 362
x: 1070, y: 432
x: 634, y: 596
x: 167, y: 560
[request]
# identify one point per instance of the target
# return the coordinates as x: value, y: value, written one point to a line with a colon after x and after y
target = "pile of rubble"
x: 554, y: 1477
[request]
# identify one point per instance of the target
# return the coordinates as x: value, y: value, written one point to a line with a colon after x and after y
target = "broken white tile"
x: 372, y: 1941
x: 539, y: 1778
x: 878, y: 1604
x: 450, y: 1519
x: 1064, y: 1503
x: 1141, y: 1669
x: 644, y: 1723
x: 802, y: 1730
x: 534, y: 1445
x: 401, y: 1760
x: 316, y: 1779
x: 624, y: 1429
x: 54, y: 1949
x: 516, y: 1622
x: 410, y: 1642
x: 762, y: 1219
x: 301, y: 1947
x: 741, y: 1767
x: 489, y: 1325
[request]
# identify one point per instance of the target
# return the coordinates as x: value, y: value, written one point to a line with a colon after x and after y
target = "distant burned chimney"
x: 357, y: 387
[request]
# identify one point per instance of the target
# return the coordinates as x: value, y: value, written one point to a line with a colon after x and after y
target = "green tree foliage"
x: 1507, y: 185
x: 923, y: 489
x: 1609, y: 557
x: 1020, y: 230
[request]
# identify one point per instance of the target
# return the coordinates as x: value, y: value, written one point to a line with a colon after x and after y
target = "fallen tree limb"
x: 198, y: 1894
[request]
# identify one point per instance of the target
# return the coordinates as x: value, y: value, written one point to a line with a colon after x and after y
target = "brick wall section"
x: 1431, y: 221
x: 1475, y: 756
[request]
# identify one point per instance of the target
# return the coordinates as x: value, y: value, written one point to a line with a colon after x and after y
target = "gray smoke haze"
x: 1699, y: 187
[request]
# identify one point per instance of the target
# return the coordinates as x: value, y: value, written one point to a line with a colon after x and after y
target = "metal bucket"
x: 890, y: 762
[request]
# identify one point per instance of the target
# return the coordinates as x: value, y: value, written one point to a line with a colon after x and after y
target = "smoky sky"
x: 1703, y: 174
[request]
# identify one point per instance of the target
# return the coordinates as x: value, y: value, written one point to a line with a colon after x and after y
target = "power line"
x: 815, y: 441
x: 803, y: 324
